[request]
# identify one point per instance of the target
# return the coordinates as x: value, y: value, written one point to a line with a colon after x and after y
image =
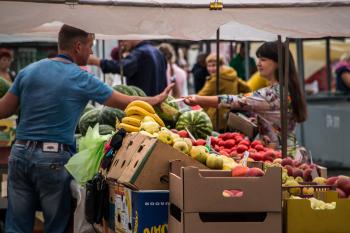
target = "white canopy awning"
x: 184, y: 19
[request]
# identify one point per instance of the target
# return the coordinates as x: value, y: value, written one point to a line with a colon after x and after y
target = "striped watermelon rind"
x: 103, y: 116
x: 125, y: 90
x: 138, y: 90
x: 197, y: 122
x: 106, y: 129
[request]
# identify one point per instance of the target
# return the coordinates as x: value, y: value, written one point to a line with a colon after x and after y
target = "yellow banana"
x: 142, y: 104
x: 135, y: 110
x: 128, y: 128
x: 137, y: 117
x: 131, y: 121
x: 158, y: 120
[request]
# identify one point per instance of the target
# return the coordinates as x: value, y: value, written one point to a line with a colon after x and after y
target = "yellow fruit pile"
x: 135, y: 112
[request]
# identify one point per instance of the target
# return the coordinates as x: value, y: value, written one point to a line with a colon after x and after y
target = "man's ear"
x: 77, y: 46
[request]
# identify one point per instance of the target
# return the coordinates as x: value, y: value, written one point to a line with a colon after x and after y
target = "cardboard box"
x: 197, y: 203
x: 147, y: 166
x: 299, y: 217
x: 7, y: 131
x: 113, y: 187
x: 141, y: 211
x: 239, y: 122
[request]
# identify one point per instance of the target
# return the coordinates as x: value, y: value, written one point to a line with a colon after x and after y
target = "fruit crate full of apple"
x: 198, y: 201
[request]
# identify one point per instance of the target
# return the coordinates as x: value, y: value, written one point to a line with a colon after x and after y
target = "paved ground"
x: 336, y: 172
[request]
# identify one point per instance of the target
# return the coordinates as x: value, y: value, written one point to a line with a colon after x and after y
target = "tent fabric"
x: 182, y: 19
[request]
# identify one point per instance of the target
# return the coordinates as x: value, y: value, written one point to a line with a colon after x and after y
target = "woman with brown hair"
x: 229, y: 83
x: 265, y: 103
x: 5, y: 63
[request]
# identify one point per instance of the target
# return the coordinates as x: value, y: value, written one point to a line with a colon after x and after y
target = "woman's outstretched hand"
x: 190, y: 100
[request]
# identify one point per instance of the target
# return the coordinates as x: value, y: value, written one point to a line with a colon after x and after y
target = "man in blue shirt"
x: 145, y: 66
x: 51, y: 95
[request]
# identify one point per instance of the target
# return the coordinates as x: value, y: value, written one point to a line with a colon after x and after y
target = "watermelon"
x: 103, y: 116
x: 197, y: 122
x: 138, y: 90
x: 88, y: 108
x: 173, y: 104
x: 168, y: 112
x: 106, y: 129
x: 4, y: 86
x: 90, y: 118
x: 125, y: 90
x: 108, y: 115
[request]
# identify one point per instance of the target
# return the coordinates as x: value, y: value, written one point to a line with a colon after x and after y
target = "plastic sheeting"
x: 183, y: 19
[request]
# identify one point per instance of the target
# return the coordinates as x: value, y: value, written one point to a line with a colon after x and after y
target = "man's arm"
x: 8, y: 105
x: 119, y: 100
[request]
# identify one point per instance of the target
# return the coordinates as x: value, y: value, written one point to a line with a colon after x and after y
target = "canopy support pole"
x: 218, y: 76
x: 328, y: 65
x: 301, y: 72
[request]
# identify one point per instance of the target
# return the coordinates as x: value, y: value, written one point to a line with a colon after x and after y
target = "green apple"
x: 189, y: 143
x: 150, y: 126
x: 148, y: 119
x: 146, y: 133
x: 181, y: 146
x: 214, y: 162
x: 165, y: 137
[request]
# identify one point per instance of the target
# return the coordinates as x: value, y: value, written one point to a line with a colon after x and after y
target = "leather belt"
x: 45, y: 146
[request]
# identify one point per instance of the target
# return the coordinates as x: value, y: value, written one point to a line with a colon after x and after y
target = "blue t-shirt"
x: 52, y: 96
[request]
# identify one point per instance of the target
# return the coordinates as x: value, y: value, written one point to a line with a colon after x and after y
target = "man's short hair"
x: 68, y: 35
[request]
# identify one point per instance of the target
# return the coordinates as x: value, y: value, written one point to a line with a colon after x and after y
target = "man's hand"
x: 93, y: 60
x: 162, y: 96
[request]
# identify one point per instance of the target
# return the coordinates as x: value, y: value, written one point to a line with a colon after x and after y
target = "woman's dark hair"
x: 270, y: 50
x: 68, y: 35
x: 5, y: 53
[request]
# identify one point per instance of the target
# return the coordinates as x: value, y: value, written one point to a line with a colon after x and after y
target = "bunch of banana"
x: 135, y: 112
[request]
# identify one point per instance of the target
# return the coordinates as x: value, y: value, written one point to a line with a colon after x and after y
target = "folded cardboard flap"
x: 145, y: 164
x: 241, y: 123
x: 193, y: 182
x: 124, y: 155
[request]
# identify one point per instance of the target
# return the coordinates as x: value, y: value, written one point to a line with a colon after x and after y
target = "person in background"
x: 200, y: 72
x: 238, y: 63
x: 5, y: 63
x: 52, y: 94
x: 342, y: 73
x: 144, y: 67
x: 229, y: 83
x: 257, y: 82
x: 265, y: 103
x: 174, y: 72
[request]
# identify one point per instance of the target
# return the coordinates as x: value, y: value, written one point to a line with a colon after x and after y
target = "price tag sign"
x: 208, y: 143
x: 245, y: 158
x: 298, y: 156
x: 189, y: 134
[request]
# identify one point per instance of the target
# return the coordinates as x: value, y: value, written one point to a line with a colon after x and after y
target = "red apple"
x: 287, y: 161
x: 245, y: 142
x: 259, y: 148
x: 254, y: 171
x: 183, y: 133
x: 242, y: 148
x: 344, y: 184
x: 201, y: 142
x: 255, y: 143
x: 307, y: 175
x: 297, y: 172
x: 332, y: 180
x: 304, y: 166
x: 239, y: 171
x: 341, y: 193
x: 289, y: 170
x: 230, y: 143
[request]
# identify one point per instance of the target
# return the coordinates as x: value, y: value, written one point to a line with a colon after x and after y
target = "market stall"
x: 192, y: 141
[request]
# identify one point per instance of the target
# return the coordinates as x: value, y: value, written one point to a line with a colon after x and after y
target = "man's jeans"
x: 38, y: 180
